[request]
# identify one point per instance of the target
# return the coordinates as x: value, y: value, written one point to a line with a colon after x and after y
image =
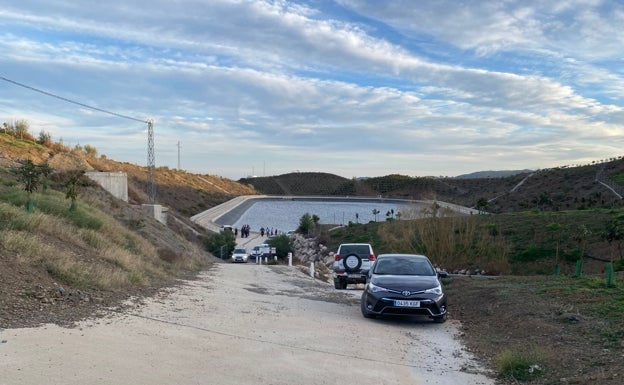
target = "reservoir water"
x: 284, y: 215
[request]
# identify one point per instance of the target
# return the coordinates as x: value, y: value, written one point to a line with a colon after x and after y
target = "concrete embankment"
x: 225, y: 213
x: 229, y: 212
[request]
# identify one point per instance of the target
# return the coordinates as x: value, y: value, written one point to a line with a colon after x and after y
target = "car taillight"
x: 371, y: 258
x: 337, y: 257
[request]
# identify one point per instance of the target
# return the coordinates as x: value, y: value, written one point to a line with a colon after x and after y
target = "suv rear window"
x: 355, y: 249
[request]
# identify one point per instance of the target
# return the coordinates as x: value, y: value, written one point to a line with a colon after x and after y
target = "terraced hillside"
x: 598, y: 185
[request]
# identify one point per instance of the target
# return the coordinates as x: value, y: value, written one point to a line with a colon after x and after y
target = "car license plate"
x: 406, y: 303
x: 354, y: 275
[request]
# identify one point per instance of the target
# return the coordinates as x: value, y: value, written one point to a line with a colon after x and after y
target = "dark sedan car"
x: 404, y: 284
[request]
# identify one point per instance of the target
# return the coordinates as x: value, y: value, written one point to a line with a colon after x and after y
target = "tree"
x: 90, y: 151
x: 30, y: 175
x: 614, y: 232
x: 282, y: 244
x: 45, y: 170
x: 221, y: 244
x: 581, y: 235
x: 44, y: 138
x: 556, y: 229
x: 482, y: 205
x: 72, y: 187
x: 306, y: 223
x: 543, y: 201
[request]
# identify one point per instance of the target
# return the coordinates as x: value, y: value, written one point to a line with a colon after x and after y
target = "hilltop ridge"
x: 597, y: 185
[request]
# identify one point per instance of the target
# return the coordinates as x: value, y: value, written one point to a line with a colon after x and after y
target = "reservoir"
x: 285, y: 214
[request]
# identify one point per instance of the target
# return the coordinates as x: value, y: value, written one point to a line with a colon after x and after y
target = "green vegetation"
x: 524, y: 243
x: 282, y: 244
x: 85, y: 248
x: 306, y: 224
x: 220, y: 244
x: 521, y: 363
x: 32, y: 176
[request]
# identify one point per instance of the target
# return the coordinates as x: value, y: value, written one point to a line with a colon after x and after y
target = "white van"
x: 261, y: 250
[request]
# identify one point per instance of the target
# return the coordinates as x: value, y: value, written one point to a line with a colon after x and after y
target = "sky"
x: 354, y: 88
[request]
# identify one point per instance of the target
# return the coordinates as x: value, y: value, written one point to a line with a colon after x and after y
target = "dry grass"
x: 87, y: 247
x: 453, y: 242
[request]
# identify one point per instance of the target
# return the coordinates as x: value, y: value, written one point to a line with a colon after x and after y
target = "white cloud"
x: 438, y: 87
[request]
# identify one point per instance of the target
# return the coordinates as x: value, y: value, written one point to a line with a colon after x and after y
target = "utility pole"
x: 151, y: 178
x: 179, y: 155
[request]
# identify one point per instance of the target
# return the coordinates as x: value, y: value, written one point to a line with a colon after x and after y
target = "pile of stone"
x: 308, y: 250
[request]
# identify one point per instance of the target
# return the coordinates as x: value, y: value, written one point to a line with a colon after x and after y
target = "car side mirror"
x: 442, y: 274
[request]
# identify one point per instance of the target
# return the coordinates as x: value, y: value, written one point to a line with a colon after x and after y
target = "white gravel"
x: 241, y: 324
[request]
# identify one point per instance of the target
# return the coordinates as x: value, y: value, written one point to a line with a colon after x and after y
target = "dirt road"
x: 240, y: 324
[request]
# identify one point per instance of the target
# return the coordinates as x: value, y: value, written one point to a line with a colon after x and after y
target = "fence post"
x: 579, y: 267
x: 609, y: 274
x: 312, y: 269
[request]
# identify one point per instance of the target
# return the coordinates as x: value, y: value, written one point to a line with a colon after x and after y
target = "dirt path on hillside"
x: 241, y: 324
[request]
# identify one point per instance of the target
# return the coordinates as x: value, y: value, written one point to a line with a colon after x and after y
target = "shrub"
x: 282, y: 244
x: 221, y: 244
x: 521, y: 363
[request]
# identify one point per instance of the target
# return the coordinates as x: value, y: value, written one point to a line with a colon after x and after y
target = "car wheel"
x: 365, y: 312
x: 338, y: 284
x: 343, y: 284
x: 352, y: 262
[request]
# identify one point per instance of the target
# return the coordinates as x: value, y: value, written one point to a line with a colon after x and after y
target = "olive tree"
x: 32, y: 176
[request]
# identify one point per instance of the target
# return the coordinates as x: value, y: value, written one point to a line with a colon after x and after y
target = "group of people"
x: 268, y: 231
x: 245, y: 229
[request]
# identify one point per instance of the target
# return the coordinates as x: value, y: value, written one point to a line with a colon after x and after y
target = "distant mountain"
x: 598, y: 185
x: 492, y: 174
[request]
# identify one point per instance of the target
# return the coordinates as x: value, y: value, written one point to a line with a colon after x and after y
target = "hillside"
x: 564, y: 188
x: 185, y: 193
x: 58, y: 265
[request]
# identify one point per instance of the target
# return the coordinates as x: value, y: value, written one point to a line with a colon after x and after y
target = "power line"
x: 151, y: 183
x: 72, y: 101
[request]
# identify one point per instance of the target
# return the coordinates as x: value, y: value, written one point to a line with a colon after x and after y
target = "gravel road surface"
x: 241, y: 324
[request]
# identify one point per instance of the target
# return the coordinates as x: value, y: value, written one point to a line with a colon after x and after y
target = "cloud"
x: 351, y: 87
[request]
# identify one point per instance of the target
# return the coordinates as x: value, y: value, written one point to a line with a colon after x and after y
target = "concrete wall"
x: 157, y: 211
x: 115, y: 183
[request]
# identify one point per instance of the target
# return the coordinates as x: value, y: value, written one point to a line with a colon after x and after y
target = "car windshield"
x: 403, y: 266
x: 240, y: 251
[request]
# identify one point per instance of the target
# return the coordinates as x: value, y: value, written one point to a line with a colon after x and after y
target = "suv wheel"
x: 352, y: 262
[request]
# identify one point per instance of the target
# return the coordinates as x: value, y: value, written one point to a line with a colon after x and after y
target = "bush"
x: 282, y: 244
x: 220, y: 245
x: 521, y: 363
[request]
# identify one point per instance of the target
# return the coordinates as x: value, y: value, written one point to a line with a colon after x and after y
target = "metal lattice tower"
x: 151, y: 164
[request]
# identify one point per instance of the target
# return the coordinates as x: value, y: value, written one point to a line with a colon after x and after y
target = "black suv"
x: 352, y: 263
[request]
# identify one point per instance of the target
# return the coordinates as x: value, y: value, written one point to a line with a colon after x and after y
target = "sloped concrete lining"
x: 115, y: 183
x: 209, y: 218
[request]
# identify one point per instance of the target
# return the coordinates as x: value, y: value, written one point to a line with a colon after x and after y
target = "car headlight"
x: 375, y: 289
x: 434, y: 290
